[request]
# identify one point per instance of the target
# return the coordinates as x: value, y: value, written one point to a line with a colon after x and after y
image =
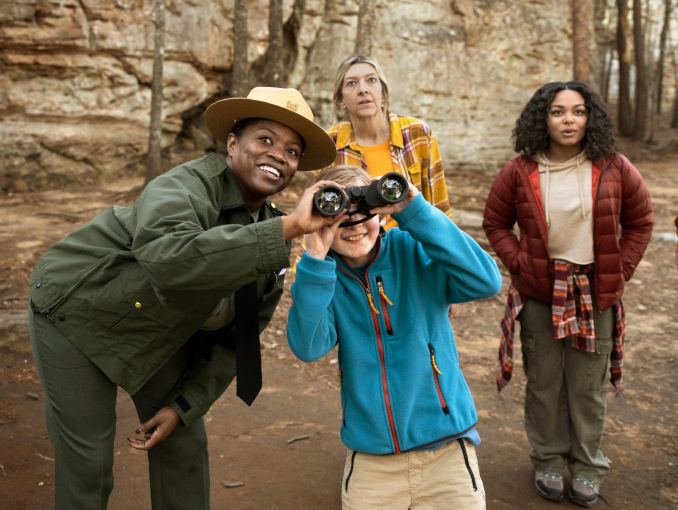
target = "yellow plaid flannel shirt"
x: 414, y: 154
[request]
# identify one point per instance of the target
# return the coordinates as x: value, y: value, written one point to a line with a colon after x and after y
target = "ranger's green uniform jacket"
x: 131, y: 286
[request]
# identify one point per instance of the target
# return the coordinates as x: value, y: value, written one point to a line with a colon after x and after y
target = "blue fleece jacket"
x: 401, y: 384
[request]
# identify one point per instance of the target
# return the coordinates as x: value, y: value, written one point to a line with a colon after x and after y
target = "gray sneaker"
x: 549, y: 486
x: 584, y: 492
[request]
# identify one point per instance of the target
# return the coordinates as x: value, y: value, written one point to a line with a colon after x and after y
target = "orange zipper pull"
x: 433, y: 361
x: 383, y: 293
x: 369, y: 298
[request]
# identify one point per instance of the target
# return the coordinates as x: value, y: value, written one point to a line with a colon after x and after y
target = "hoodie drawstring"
x: 546, y: 196
x: 546, y: 164
x: 580, y: 170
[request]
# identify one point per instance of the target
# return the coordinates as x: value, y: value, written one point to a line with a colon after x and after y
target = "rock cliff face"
x: 75, y: 74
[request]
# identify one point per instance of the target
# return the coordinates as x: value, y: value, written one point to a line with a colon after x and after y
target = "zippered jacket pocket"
x: 436, y: 371
x: 384, y: 302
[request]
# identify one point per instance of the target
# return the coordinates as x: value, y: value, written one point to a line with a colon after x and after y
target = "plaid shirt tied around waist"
x: 572, y: 312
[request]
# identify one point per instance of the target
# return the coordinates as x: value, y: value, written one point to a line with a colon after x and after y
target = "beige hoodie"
x: 566, y: 192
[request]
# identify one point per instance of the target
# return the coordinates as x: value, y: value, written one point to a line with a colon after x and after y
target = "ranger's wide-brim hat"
x: 286, y: 106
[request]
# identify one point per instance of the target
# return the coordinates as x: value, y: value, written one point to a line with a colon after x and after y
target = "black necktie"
x: 248, y: 350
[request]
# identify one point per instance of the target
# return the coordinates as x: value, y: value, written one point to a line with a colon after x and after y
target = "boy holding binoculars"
x: 408, y: 416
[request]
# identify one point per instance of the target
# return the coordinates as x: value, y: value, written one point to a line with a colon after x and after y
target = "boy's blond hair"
x: 345, y: 175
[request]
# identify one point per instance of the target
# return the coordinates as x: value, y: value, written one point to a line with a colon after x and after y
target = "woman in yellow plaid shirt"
x: 370, y: 136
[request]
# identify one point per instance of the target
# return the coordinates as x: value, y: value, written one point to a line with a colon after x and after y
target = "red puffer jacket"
x: 620, y: 199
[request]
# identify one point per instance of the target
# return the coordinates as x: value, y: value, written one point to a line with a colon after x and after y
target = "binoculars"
x: 390, y: 189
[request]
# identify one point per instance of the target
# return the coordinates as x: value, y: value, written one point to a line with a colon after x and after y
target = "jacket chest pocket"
x: 396, y: 309
x: 411, y: 170
x: 128, y: 308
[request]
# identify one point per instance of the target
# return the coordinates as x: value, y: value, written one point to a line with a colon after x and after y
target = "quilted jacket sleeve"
x: 501, y: 215
x: 637, y: 218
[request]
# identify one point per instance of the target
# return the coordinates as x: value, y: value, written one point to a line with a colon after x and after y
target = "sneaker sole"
x: 582, y: 501
x: 552, y: 496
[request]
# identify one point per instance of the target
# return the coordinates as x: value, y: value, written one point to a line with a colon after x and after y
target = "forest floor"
x: 284, y: 452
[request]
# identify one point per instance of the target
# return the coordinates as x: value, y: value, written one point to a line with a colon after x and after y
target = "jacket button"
x: 38, y: 285
x: 137, y: 305
x: 61, y: 317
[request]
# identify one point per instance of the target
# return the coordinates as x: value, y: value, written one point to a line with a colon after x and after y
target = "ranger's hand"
x: 164, y: 421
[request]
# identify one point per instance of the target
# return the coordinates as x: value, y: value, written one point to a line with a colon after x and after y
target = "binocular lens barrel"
x: 392, y: 189
x: 331, y: 200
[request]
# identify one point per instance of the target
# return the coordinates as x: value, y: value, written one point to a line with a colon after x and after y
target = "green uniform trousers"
x: 80, y: 410
x: 565, y: 399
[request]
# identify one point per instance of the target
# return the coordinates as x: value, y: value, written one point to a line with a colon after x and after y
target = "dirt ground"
x: 284, y: 452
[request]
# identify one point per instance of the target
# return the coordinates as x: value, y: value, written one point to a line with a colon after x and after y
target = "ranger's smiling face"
x: 263, y: 160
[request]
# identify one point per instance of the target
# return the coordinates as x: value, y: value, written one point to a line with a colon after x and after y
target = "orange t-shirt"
x: 378, y: 161
x: 377, y: 158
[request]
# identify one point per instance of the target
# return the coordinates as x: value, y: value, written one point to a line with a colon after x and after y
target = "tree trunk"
x: 603, y: 52
x: 624, y: 106
x: 674, y: 114
x: 239, y: 81
x: 363, y: 39
x: 651, y: 67
x: 640, y: 126
x: 155, y: 134
x: 607, y: 74
x: 582, y: 18
x: 275, y: 43
x: 662, y: 53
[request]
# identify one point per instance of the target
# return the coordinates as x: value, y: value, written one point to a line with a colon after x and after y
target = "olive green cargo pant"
x: 80, y: 410
x: 565, y: 399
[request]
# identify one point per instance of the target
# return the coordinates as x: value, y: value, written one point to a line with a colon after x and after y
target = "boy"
x: 384, y: 299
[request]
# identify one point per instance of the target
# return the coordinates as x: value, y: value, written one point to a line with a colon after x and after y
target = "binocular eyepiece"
x: 390, y: 189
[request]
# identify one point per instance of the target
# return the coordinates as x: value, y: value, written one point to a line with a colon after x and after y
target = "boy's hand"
x: 318, y: 243
x: 304, y: 219
x: 164, y: 422
x: 396, y: 208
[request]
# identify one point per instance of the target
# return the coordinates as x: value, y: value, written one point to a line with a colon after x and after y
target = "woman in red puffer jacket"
x: 585, y: 219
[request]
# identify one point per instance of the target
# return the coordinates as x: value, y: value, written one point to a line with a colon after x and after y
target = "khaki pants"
x: 439, y: 479
x: 80, y: 409
x: 565, y: 399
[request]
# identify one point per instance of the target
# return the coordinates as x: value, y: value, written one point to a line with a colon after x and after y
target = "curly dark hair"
x: 531, y: 132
